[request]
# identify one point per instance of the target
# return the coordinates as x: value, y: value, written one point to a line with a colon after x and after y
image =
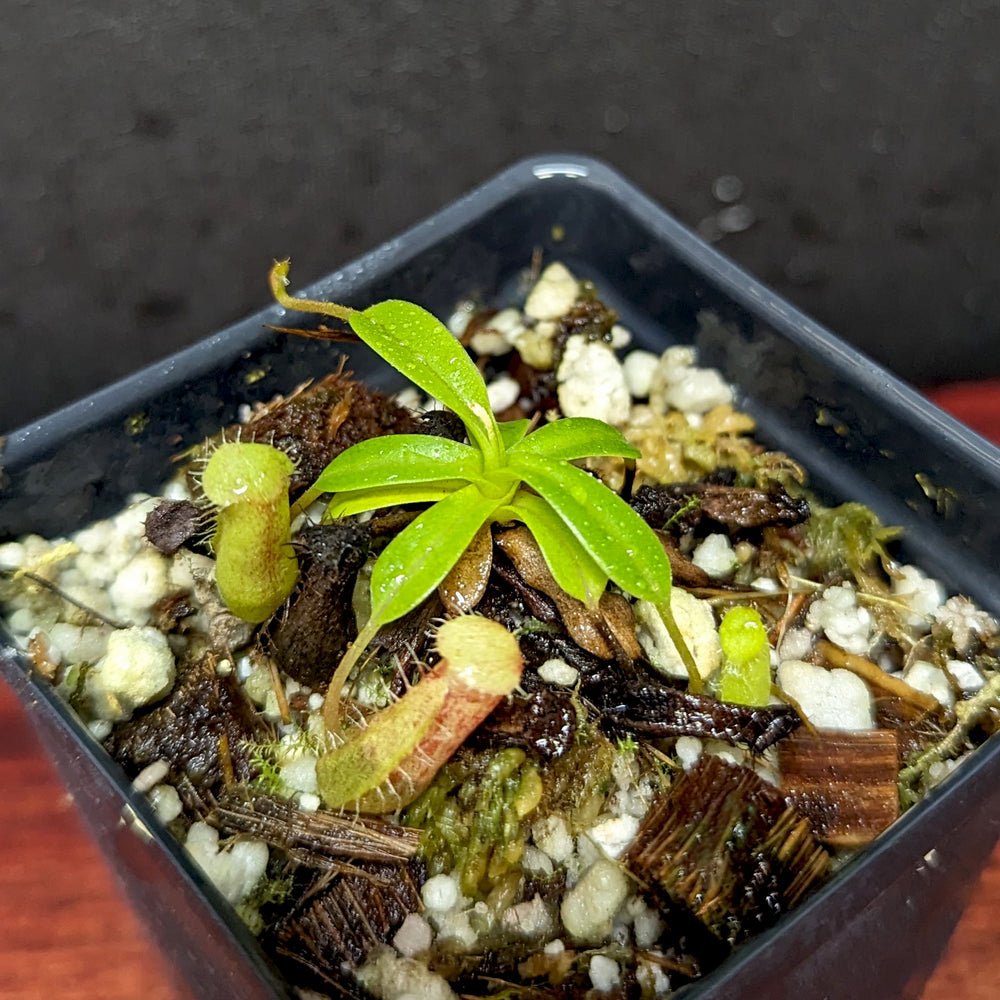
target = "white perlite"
x: 166, y: 803
x: 138, y: 668
x: 389, y: 976
x: 235, y: 871
x: 830, y: 699
x: 552, y: 835
x: 614, y: 834
x: 508, y: 324
x: 458, y: 321
x: 924, y: 676
x: 604, y: 973
x: 920, y: 593
x: 536, y: 344
x: 489, y: 343
x: 79, y: 643
x: 715, y: 555
x: 529, y: 919
x: 639, y: 367
x: 553, y: 295
x: 298, y: 771
x: 151, y: 775
x: 620, y: 337
x: 688, y: 750
x: 965, y: 675
x: 455, y: 927
x: 965, y: 622
x: 647, y: 924
x: 838, y: 616
x: 536, y: 861
x: 11, y: 555
x: 678, y: 384
x: 590, y: 906
x: 558, y: 671
x: 503, y: 392
x: 796, y: 644
x: 696, y: 622
x: 414, y: 936
x: 139, y: 585
x: 440, y: 893
x: 592, y: 382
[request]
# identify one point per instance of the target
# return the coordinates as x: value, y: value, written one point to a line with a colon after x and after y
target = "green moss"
x: 578, y: 783
x: 475, y: 815
x: 849, y: 537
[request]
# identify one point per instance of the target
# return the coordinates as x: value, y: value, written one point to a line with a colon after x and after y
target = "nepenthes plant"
x: 511, y: 757
x: 587, y: 534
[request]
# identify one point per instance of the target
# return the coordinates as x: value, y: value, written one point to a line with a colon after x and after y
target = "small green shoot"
x: 746, y: 665
x: 586, y: 532
x: 690, y: 505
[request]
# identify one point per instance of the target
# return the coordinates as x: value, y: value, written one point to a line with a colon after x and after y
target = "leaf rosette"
x: 588, y: 534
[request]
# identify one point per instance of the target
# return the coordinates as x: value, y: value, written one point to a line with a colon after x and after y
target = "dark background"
x: 155, y: 157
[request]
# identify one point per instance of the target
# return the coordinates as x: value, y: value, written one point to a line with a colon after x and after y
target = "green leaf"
x: 575, y: 437
x: 746, y: 666
x: 421, y: 555
x: 622, y: 544
x: 511, y: 431
x: 419, y: 346
x: 397, y: 459
x: 573, y: 568
x: 357, y: 501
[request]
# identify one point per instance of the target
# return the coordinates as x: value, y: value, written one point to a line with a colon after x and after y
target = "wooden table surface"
x: 66, y: 932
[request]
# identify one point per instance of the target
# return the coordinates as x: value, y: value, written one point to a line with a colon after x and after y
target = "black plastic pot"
x: 880, y: 925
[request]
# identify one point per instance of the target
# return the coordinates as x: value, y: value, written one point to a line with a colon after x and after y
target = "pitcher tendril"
x: 588, y: 534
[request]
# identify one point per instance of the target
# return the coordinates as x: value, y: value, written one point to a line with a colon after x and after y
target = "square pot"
x: 861, y: 434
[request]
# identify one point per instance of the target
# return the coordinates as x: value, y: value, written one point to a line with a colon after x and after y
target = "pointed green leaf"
x: 511, y: 431
x: 358, y: 501
x: 576, y: 437
x: 572, y: 566
x: 619, y: 540
x: 397, y: 459
x: 419, y: 346
x: 421, y: 555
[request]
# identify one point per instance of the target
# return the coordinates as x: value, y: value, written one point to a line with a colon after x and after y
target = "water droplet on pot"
x: 727, y: 188
x: 615, y: 119
x: 736, y: 218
